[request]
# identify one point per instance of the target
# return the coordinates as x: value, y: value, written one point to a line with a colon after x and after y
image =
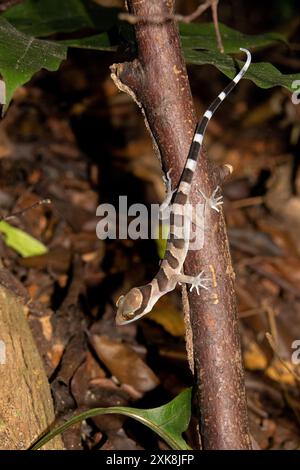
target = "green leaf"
x: 199, y: 46
x: 263, y: 74
x: 46, y: 17
x: 203, y: 36
x: 21, y: 242
x: 168, y: 421
x: 22, y: 56
x: 98, y: 42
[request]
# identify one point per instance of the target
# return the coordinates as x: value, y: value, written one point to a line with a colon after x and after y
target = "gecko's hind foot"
x: 167, y: 180
x: 214, y: 201
x: 200, y: 281
x: 168, y: 198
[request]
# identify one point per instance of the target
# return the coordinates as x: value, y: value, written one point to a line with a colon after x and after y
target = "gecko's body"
x: 140, y: 300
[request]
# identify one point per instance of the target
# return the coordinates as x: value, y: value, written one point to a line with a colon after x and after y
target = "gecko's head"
x: 127, y: 306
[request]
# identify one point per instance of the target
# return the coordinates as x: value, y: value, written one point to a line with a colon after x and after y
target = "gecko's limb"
x: 214, y: 201
x: 195, y: 281
x: 167, y: 201
x: 167, y: 180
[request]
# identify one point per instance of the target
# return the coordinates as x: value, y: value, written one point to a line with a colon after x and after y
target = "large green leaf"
x: 263, y: 74
x: 98, y: 42
x: 203, y: 36
x: 45, y: 17
x: 168, y: 421
x: 199, y: 46
x: 21, y: 56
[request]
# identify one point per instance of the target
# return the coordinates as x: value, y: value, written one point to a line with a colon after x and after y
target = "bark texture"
x: 26, y: 408
x: 157, y: 80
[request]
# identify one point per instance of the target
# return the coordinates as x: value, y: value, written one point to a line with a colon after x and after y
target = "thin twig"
x: 198, y: 12
x: 157, y: 19
x: 247, y: 202
x: 282, y: 283
x: 214, y: 9
x: 26, y: 209
x: 271, y: 319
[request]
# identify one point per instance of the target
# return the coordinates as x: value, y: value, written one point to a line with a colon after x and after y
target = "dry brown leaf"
x: 124, y: 363
x: 254, y: 358
x: 168, y: 316
x: 279, y: 372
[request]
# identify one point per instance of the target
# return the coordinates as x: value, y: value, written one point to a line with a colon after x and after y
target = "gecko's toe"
x: 200, y: 281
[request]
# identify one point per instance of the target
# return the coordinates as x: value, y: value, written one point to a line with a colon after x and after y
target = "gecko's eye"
x: 120, y: 301
x: 128, y: 315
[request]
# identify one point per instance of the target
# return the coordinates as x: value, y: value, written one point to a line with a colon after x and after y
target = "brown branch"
x: 158, y: 82
x: 157, y: 19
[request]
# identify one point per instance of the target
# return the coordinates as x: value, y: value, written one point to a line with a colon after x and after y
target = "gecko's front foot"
x: 200, y: 281
x: 214, y: 201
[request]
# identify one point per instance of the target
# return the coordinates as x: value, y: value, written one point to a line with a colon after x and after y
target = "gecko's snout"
x: 127, y: 306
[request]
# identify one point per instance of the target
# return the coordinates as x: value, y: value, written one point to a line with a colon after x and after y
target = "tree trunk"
x: 26, y: 408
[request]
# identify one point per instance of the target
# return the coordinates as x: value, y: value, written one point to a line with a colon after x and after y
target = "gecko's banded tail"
x: 191, y: 163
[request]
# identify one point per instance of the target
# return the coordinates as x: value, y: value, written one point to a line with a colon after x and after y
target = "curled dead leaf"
x: 124, y: 363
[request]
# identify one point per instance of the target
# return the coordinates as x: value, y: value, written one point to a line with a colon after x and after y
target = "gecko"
x: 140, y: 300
